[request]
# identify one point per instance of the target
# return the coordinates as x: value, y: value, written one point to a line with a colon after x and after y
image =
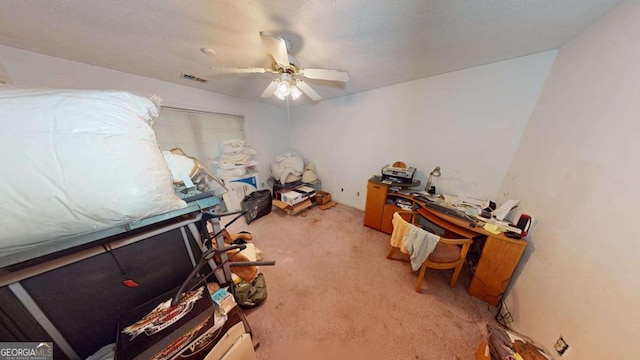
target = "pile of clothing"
x: 289, y: 168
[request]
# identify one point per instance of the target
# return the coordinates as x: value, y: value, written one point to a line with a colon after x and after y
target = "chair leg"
x: 423, y: 269
x: 391, y: 252
x: 456, y: 274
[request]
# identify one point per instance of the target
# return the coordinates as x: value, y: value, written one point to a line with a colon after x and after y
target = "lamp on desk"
x: 435, y: 173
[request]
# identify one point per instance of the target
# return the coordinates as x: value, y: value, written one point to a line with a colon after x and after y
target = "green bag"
x: 250, y: 295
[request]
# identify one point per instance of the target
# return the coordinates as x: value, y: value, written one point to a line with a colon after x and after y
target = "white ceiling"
x: 379, y: 42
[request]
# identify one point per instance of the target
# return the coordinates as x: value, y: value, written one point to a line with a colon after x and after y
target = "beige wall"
x: 577, y: 171
x: 469, y: 122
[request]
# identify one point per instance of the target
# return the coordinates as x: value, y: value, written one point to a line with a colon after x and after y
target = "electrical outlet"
x: 561, y: 345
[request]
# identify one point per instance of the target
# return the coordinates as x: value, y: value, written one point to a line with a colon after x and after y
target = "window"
x: 199, y: 134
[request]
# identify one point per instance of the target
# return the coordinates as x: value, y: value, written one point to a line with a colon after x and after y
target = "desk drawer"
x: 387, y: 216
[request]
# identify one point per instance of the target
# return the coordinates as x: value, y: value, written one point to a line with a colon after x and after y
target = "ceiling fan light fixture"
x: 283, y: 88
x: 278, y: 95
x: 290, y: 75
x: 295, y: 92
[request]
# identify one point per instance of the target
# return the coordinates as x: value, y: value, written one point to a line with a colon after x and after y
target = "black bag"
x: 257, y: 204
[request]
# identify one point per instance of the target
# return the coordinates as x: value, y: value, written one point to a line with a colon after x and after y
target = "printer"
x: 398, y: 175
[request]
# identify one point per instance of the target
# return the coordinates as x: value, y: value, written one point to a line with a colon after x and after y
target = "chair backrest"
x: 448, y: 254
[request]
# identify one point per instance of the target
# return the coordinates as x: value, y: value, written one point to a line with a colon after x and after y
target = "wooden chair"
x: 448, y: 254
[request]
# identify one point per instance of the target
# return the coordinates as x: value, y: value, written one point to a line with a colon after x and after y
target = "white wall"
x: 266, y: 124
x: 577, y: 171
x: 469, y: 122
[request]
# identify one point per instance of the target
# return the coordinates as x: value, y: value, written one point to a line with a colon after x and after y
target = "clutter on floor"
x: 323, y: 200
x: 503, y: 343
x: 328, y: 205
x: 300, y: 207
x: 322, y: 197
x: 296, y: 189
x: 297, y: 194
x: 250, y: 291
x: 187, y: 322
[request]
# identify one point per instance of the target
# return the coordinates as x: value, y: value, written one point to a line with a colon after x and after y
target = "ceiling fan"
x: 290, y: 80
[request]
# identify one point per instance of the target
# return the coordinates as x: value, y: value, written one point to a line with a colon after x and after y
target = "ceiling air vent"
x: 194, y: 78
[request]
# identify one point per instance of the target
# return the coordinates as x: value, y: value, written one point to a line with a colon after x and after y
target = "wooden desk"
x: 499, y: 257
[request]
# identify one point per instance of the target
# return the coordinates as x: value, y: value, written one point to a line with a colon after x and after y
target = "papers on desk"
x: 470, y: 206
x: 504, y: 209
x: 494, y: 229
x: 465, y: 201
x: 497, y: 226
x: 473, y: 207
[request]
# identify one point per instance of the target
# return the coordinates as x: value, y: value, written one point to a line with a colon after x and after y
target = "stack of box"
x: 223, y: 300
x: 295, y: 200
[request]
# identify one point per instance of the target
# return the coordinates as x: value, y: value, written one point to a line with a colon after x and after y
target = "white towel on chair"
x: 419, y: 243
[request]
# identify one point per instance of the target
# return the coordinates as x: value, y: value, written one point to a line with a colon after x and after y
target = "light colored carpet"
x: 334, y: 295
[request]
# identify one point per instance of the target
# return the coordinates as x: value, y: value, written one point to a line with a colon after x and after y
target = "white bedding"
x: 76, y: 161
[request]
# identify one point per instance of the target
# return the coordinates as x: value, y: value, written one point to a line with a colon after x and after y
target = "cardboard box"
x: 238, y: 188
x: 292, y: 209
x: 291, y: 197
x: 223, y: 349
x: 322, y: 197
x: 223, y: 300
x: 297, y: 195
x: 198, y: 349
x: 317, y: 185
x: 279, y: 188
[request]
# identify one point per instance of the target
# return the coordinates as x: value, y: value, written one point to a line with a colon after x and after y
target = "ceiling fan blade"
x: 277, y: 47
x: 268, y: 92
x: 325, y: 74
x: 307, y: 90
x: 234, y: 70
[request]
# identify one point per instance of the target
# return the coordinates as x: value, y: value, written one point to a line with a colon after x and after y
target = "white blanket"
x: 76, y: 161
